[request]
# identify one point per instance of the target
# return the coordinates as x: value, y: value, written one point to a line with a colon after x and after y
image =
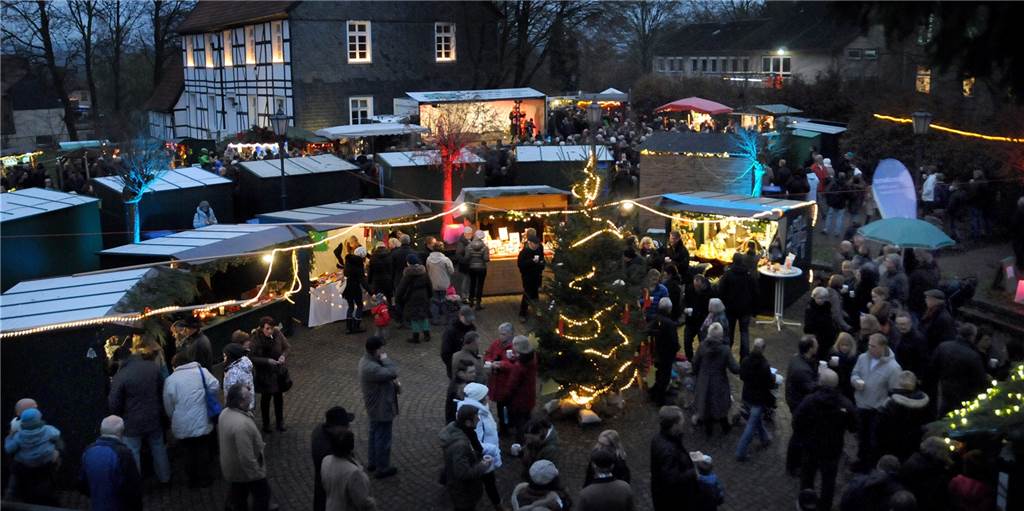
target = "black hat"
x: 234, y: 351
x: 374, y: 343
x: 338, y: 416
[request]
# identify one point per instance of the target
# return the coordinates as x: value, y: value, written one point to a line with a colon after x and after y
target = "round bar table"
x: 780, y: 304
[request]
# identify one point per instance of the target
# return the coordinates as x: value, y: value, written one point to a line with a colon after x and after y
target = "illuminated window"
x: 250, y: 45
x: 444, y: 42
x: 277, y: 29
x: 968, y: 87
x: 190, y: 59
x: 227, y: 47
x: 208, y: 49
x: 360, y: 109
x: 871, y: 54
x: 359, y: 44
x: 923, y: 84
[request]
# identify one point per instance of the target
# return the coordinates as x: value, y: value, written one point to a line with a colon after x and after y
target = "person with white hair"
x: 666, y: 343
x: 109, y: 475
x: 355, y: 284
x: 820, y: 424
x: 716, y: 314
x: 496, y: 358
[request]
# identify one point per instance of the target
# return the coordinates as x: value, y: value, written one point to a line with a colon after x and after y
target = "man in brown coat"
x: 241, y: 452
x: 605, y: 493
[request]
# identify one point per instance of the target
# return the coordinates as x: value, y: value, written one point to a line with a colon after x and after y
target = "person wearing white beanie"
x: 487, y: 433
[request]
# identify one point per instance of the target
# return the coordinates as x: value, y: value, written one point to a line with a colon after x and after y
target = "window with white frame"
x: 227, y: 49
x: 659, y: 63
x: 360, y: 109
x: 254, y: 113
x: 211, y: 112
x: 854, y: 53
x: 277, y: 31
x: 208, y: 49
x: 775, y: 65
x: 190, y: 58
x: 693, y: 65
x: 444, y: 42
x: 250, y: 44
x: 359, y: 43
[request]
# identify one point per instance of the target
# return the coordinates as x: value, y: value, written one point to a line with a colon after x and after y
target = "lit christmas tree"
x: 997, y: 411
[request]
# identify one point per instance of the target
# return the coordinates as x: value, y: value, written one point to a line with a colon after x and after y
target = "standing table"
x: 780, y: 277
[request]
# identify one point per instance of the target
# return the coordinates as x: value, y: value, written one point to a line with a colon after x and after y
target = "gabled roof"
x: 779, y: 109
x: 423, y: 158
x: 210, y: 16
x: 374, y: 129
x: 172, y: 83
x: 726, y: 204
x: 326, y: 216
x: 211, y: 242
x: 36, y: 201
x: 297, y: 166
x: 557, y: 153
x: 455, y: 96
x: 35, y: 303
x: 174, y: 179
x: 689, y: 142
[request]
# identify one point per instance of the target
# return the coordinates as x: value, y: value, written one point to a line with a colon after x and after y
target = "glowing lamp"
x: 267, y: 258
x: 451, y: 232
x: 781, y: 51
x: 627, y: 206
x: 463, y: 208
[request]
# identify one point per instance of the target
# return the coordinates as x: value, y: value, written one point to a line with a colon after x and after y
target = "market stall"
x: 715, y: 225
x: 554, y: 165
x: 324, y: 279
x: 764, y: 118
x: 47, y: 233
x: 506, y: 233
x: 168, y: 205
x: 309, y: 180
x: 608, y: 99
x: 373, y: 137
x: 418, y: 174
x: 503, y: 113
x: 700, y: 112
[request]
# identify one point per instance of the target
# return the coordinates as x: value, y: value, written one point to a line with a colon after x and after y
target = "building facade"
x: 319, y: 63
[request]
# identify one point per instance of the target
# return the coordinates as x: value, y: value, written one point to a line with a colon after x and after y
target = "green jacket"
x: 462, y: 468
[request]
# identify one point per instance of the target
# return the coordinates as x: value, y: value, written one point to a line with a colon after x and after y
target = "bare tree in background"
x: 83, y: 16
x: 524, y: 35
x: 163, y: 17
x: 143, y: 162
x: 705, y: 11
x: 645, y: 22
x: 119, y: 19
x: 28, y: 29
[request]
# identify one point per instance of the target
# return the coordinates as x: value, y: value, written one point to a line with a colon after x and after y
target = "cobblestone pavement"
x: 323, y: 365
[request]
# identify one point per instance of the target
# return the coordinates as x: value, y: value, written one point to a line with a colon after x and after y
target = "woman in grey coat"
x: 713, y: 395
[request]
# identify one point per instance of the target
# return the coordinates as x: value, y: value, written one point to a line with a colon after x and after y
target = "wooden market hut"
x: 554, y: 165
x: 47, y: 233
x: 169, y: 205
x: 309, y: 180
x: 418, y: 174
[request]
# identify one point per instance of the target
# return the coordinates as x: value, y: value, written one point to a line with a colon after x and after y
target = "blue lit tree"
x: 143, y: 162
x: 759, y: 151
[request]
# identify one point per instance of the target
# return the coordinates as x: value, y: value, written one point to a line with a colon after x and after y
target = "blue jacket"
x: 34, y: 447
x: 659, y: 292
x: 109, y: 476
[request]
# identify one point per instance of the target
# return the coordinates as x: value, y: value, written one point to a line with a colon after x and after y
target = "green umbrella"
x: 907, y: 233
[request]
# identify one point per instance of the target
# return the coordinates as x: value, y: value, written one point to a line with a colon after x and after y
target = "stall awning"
x: 557, y: 153
x: 537, y: 197
x: 36, y: 201
x: 694, y: 104
x: 297, y: 133
x: 725, y: 204
x: 173, y: 179
x: 778, y: 109
x: 297, y: 166
x: 827, y: 129
x: 210, y: 242
x: 358, y: 211
x: 378, y: 129
x: 82, y: 144
x: 806, y: 134
x: 42, y: 302
x: 424, y: 158
x: 459, y: 96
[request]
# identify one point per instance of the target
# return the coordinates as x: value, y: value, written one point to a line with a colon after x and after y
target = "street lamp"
x: 594, y: 120
x: 921, y: 121
x: 279, y: 123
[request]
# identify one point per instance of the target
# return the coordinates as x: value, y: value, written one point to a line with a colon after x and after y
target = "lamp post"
x: 594, y: 120
x: 921, y: 121
x: 279, y: 123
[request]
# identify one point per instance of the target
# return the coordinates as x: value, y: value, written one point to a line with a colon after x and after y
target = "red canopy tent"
x: 694, y: 104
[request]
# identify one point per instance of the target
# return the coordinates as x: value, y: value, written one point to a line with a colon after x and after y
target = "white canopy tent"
x: 370, y: 130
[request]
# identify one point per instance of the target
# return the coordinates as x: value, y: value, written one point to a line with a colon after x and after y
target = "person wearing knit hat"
x: 34, y: 446
x: 543, y: 491
x: 487, y: 433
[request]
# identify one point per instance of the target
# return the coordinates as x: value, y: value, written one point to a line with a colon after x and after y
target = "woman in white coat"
x: 185, y: 403
x: 487, y: 433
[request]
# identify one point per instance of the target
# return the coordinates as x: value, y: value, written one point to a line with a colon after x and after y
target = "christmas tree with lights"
x: 587, y: 337
x: 996, y: 411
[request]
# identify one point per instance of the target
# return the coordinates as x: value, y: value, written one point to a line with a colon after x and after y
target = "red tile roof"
x: 210, y: 16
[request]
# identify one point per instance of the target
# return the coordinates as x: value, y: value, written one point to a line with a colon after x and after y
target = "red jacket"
x: 822, y: 173
x: 498, y: 382
x: 971, y: 494
x: 520, y: 390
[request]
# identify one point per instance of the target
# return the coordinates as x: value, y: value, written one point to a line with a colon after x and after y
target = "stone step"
x: 1009, y: 323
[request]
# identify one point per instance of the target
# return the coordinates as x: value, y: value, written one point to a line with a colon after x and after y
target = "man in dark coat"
x: 758, y: 383
x: 136, y: 395
x: 910, y: 346
x: 108, y: 475
x: 336, y: 423
x: 451, y: 340
x: 902, y: 418
x: 958, y: 369
x: 412, y: 297
x: 873, y: 490
x: 924, y: 277
x: 531, y: 269
x: 194, y: 343
x: 937, y: 324
x: 696, y: 300
x: 820, y: 423
x: 666, y: 345
x: 399, y: 258
x: 801, y: 380
x: 464, y: 466
x: 378, y: 380
x: 738, y: 291
x: 678, y: 254
x: 673, y: 476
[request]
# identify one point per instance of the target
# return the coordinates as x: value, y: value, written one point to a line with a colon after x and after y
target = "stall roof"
x: 423, y: 158
x: 377, y: 129
x: 297, y: 166
x: 457, y: 96
x: 718, y: 203
x: 689, y: 142
x: 818, y: 127
x: 212, y: 241
x: 778, y: 109
x: 35, y: 303
x: 474, y: 194
x: 358, y: 211
x: 82, y: 144
x: 695, y: 104
x: 35, y: 201
x: 806, y: 134
x: 556, y: 153
x: 173, y: 179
